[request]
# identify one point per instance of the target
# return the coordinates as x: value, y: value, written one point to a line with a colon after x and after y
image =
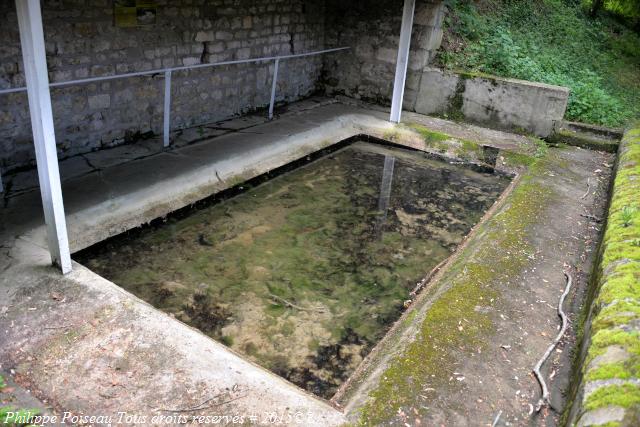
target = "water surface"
x: 305, y: 273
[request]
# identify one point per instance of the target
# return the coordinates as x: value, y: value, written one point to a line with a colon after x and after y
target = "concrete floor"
x: 80, y: 343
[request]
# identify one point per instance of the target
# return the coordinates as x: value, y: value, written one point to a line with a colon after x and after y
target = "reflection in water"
x: 385, y: 190
x: 305, y: 273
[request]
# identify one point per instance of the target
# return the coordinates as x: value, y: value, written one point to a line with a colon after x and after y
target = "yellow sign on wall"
x: 134, y: 13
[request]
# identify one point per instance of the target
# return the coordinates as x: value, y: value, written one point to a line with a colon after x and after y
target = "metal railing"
x: 167, y: 72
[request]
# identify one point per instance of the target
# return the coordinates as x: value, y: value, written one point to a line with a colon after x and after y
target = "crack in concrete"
x: 91, y: 165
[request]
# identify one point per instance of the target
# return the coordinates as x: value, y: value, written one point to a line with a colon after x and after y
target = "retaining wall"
x: 492, y: 101
x: 609, y: 390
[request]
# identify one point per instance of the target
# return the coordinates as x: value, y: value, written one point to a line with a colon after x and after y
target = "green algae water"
x: 305, y: 273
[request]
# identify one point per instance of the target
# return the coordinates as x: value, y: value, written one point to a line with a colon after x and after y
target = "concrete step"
x: 588, y: 136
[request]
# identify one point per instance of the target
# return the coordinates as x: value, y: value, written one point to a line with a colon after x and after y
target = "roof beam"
x: 403, y: 60
x: 35, y: 70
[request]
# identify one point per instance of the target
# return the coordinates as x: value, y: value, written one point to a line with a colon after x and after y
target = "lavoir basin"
x: 306, y: 272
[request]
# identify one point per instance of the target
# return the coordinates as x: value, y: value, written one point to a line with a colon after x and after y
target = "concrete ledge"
x: 577, y: 139
x: 492, y: 101
x: 609, y: 391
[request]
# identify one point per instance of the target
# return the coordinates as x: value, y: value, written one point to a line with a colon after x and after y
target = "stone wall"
x: 492, y: 101
x: 82, y: 41
x: 609, y: 375
x: 372, y: 29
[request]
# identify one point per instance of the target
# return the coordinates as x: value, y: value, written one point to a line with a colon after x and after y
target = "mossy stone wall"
x: 609, y: 391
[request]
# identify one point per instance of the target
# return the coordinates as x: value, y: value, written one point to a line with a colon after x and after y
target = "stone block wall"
x: 609, y: 367
x: 372, y: 29
x: 82, y: 41
x: 494, y: 102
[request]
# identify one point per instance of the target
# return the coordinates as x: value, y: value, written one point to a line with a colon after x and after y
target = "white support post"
x: 274, y: 85
x: 403, y: 60
x: 35, y: 69
x: 166, y: 125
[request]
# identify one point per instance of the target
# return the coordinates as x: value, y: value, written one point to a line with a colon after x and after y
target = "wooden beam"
x: 35, y: 69
x: 403, y: 60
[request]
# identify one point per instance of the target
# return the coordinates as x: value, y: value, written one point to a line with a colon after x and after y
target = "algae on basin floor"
x: 305, y: 273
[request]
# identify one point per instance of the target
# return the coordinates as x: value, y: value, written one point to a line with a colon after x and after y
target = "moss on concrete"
x: 609, y: 370
x: 617, y: 305
x: 475, y: 280
x: 476, y: 74
x: 443, y: 143
x: 432, y: 139
x: 515, y: 159
x: 456, y: 103
x: 623, y: 395
x: 541, y: 147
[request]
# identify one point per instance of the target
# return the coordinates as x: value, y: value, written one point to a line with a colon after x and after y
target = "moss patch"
x: 441, y: 142
x: 432, y: 139
x: 621, y: 370
x: 625, y: 396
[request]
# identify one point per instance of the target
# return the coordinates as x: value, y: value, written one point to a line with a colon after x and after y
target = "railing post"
x: 273, y: 88
x: 167, y: 108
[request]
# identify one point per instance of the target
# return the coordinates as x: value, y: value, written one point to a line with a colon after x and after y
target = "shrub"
x: 554, y: 42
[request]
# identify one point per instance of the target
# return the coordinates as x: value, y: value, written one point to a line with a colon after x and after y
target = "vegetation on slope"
x: 551, y: 41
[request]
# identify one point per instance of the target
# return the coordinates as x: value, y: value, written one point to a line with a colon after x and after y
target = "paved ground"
x: 83, y: 344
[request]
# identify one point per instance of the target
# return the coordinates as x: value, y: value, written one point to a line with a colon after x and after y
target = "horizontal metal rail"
x: 162, y: 71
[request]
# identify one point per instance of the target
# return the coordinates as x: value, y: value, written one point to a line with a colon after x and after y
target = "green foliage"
x: 627, y: 215
x: 626, y: 9
x: 554, y: 42
x: 541, y: 148
x: 9, y: 414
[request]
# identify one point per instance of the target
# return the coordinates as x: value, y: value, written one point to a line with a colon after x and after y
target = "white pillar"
x: 35, y: 69
x: 403, y: 60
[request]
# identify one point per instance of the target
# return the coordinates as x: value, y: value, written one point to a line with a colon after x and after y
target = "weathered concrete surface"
x: 492, y: 101
x: 609, y: 372
x: 85, y: 345
x: 437, y: 90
